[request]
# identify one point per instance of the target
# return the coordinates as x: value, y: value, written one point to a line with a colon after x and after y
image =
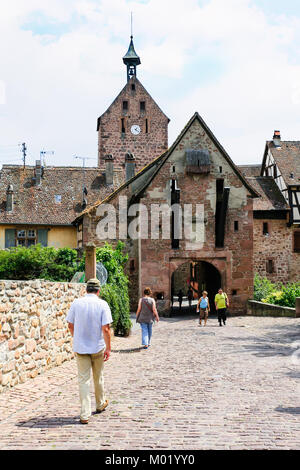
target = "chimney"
x: 38, y: 172
x: 277, y: 139
x: 109, y: 169
x: 10, y: 198
x: 129, y: 166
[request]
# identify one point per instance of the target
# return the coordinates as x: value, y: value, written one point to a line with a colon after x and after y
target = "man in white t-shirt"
x: 89, y: 321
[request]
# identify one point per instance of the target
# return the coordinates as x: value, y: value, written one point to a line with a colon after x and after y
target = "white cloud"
x: 57, y: 86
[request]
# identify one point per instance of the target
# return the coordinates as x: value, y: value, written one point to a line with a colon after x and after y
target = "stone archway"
x: 199, y: 275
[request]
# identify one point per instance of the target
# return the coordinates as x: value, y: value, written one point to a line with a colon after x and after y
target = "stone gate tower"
x: 133, y: 130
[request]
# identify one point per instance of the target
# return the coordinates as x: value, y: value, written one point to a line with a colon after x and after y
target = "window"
x: 220, y: 169
x: 142, y: 106
x: 125, y: 106
x: 265, y: 228
x: 234, y: 292
x: 270, y: 266
x: 146, y: 126
x: 219, y: 227
x: 132, y: 87
x: 159, y: 295
x: 175, y: 216
x: 26, y: 237
x: 296, y: 242
x: 236, y: 225
x: 57, y: 198
x: 123, y: 125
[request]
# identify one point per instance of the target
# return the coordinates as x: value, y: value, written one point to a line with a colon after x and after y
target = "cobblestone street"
x: 235, y: 387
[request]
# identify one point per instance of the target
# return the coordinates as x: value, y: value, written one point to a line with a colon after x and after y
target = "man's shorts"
x: 203, y: 312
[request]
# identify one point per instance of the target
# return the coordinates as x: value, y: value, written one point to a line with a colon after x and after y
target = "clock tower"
x: 132, y: 125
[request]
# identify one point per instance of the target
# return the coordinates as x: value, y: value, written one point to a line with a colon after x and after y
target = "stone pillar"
x: 109, y: 169
x: 90, y: 262
x: 129, y: 166
x: 298, y: 307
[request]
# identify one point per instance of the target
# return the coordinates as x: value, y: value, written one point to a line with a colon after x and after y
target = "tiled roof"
x: 287, y: 158
x: 271, y: 196
x: 39, y: 204
x: 250, y: 170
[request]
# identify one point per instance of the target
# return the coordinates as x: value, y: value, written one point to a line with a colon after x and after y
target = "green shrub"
x: 60, y: 265
x: 115, y: 292
x: 276, y: 294
x: 38, y: 262
x: 286, y: 297
x: 262, y: 287
x: 118, y: 302
x: 272, y: 298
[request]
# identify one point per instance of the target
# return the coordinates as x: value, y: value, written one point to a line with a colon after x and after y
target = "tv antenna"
x: 24, y: 150
x: 43, y: 153
x: 84, y: 189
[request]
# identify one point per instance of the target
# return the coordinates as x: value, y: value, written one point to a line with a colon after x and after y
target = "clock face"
x: 135, y: 129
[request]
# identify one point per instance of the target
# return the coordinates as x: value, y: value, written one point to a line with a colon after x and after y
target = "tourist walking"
x: 190, y: 296
x: 89, y: 321
x: 203, y: 308
x: 222, y: 303
x: 145, y: 315
x: 180, y: 297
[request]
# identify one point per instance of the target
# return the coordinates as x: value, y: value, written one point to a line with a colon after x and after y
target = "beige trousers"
x: 86, y: 362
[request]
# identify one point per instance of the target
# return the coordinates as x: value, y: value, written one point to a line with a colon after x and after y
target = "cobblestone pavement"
x: 235, y: 387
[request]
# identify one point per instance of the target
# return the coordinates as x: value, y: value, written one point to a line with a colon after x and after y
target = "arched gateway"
x: 197, y: 275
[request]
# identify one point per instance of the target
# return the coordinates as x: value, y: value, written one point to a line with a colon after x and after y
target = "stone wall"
x: 278, y: 247
x: 34, y: 335
x: 260, y: 309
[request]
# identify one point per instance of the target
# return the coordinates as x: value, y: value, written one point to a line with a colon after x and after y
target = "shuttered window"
x: 42, y: 237
x: 10, y: 237
x: 25, y: 237
x: 297, y: 242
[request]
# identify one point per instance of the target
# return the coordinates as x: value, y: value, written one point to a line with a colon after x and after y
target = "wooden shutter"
x: 10, y: 237
x: 42, y: 237
x: 297, y: 242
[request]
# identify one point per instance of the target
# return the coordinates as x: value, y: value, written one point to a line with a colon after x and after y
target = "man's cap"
x: 94, y: 283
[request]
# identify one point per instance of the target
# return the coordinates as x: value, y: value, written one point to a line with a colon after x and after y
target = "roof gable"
x: 143, y: 178
x: 287, y: 158
x: 271, y: 197
x: 124, y: 91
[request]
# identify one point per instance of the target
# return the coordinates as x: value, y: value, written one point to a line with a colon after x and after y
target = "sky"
x: 236, y: 62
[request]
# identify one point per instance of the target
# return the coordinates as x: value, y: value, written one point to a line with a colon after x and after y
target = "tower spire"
x: 131, y: 59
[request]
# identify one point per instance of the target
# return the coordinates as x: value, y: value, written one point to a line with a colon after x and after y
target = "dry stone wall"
x: 34, y: 335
